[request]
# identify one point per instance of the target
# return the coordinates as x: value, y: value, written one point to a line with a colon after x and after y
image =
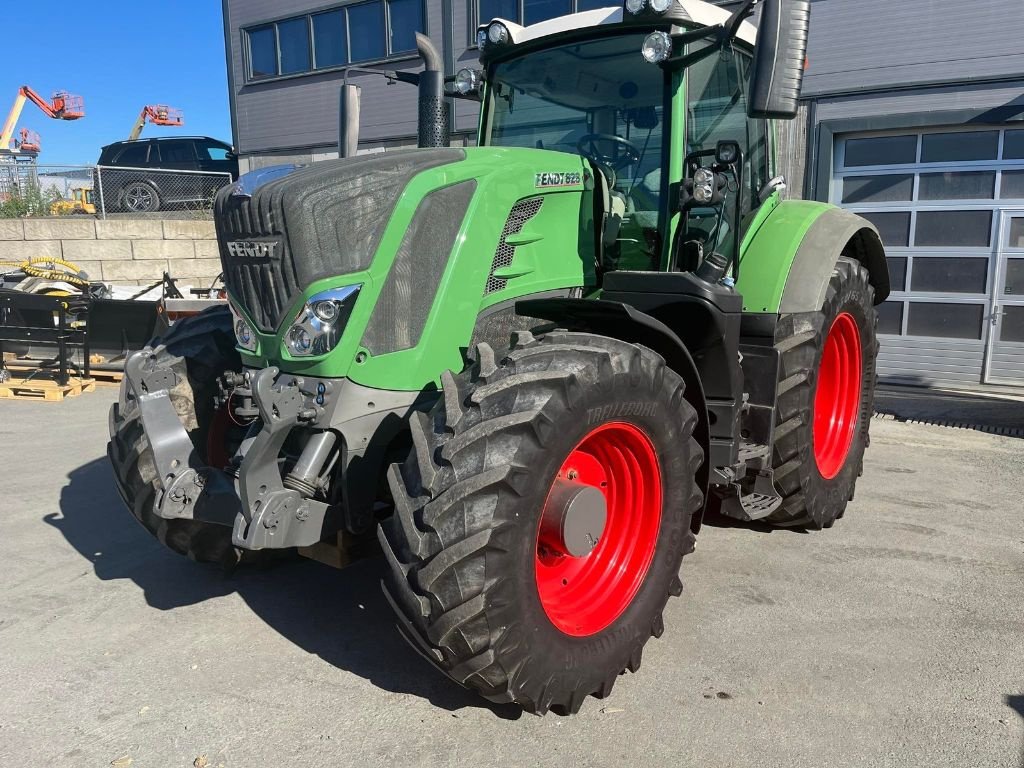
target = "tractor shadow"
x: 718, y: 520
x: 1016, y: 703
x: 341, y: 616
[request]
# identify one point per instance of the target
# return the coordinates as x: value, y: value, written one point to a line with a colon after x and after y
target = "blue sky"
x: 119, y: 56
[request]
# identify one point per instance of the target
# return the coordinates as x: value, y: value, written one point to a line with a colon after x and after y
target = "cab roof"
x: 695, y: 12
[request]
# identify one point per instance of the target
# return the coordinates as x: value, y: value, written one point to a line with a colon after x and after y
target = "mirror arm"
x: 732, y: 26
x: 390, y: 74
x: 689, y: 59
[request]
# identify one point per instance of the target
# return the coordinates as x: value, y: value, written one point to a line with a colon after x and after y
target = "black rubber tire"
x: 201, y: 349
x: 152, y: 207
x: 462, y: 541
x: 810, y: 500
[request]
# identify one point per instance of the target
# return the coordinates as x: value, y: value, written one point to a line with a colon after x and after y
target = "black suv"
x: 149, y: 174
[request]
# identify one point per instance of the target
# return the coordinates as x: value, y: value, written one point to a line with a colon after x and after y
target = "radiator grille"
x: 521, y: 213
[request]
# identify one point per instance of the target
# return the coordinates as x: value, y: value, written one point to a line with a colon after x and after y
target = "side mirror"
x: 348, y: 120
x: 779, y: 59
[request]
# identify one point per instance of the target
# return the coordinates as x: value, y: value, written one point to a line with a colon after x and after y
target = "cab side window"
x: 717, y: 111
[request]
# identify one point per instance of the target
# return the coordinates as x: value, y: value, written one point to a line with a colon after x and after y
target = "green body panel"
x: 768, y: 250
x: 554, y: 251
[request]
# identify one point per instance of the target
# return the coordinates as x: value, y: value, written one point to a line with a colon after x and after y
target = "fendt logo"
x: 256, y: 250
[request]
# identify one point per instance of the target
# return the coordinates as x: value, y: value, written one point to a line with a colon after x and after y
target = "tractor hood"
x: 326, y: 220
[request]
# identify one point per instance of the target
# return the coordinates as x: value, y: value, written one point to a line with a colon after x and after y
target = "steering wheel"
x: 626, y: 152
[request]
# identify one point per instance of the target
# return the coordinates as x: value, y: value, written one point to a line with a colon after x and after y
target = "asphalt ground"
x: 894, y: 639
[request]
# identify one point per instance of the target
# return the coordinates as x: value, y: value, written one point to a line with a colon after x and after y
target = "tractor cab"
x: 648, y: 99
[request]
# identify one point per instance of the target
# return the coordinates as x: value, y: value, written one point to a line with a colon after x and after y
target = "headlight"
x: 498, y: 33
x: 467, y: 81
x: 704, y: 186
x: 657, y: 47
x: 318, y: 326
x: 635, y: 6
x: 661, y: 6
x: 244, y: 333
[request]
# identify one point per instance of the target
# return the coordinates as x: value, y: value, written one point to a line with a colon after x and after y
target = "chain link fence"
x: 30, y: 189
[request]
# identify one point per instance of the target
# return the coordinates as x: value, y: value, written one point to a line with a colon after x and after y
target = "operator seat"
x: 614, y: 205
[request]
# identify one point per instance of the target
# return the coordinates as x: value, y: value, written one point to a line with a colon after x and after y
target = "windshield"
x: 553, y: 99
x: 599, y: 99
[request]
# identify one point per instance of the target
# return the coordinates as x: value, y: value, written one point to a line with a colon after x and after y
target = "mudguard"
x: 787, y: 261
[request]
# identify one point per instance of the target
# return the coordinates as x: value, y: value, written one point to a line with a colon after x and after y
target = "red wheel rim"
x: 837, y: 401
x: 584, y: 595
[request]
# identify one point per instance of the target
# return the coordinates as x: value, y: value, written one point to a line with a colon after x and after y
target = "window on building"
x: 330, y: 39
x: 406, y: 20
x: 334, y: 38
x: 263, y: 52
x: 534, y: 11
x: 293, y: 39
x: 366, y: 22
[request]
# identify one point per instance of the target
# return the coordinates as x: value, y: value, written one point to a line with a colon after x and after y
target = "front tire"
x: 479, y: 584
x: 199, y: 349
x: 826, y: 400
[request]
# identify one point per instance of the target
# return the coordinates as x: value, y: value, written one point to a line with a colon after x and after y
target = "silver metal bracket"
x: 272, y: 516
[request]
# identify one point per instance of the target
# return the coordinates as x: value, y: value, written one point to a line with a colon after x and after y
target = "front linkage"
x: 267, y: 502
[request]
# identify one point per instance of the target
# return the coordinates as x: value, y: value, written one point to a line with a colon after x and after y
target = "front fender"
x: 786, y: 264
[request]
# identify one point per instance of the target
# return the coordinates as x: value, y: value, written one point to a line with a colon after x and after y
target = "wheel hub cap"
x: 599, y: 529
x: 574, y: 518
x: 837, y: 400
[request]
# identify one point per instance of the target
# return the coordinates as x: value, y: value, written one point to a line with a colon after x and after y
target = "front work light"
x: 661, y: 6
x: 704, y: 186
x: 467, y: 81
x: 635, y: 6
x: 498, y: 33
x: 657, y: 47
x: 244, y: 334
x: 317, y: 328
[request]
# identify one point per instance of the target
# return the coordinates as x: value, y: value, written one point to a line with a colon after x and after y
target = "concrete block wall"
x: 122, y: 251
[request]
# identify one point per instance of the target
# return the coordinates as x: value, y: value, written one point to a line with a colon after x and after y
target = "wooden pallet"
x: 107, y: 378
x: 112, y: 378
x: 43, y: 387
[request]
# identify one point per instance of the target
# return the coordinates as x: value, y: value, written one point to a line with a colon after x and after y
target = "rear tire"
x: 200, y: 349
x: 822, y: 422
x: 470, y: 574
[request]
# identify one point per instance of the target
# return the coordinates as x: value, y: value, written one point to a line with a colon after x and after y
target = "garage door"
x: 950, y: 207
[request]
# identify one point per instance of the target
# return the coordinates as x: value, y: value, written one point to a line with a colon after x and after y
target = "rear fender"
x: 787, y: 263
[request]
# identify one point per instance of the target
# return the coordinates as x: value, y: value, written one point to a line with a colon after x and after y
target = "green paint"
x: 550, y: 255
x: 767, y: 252
x: 555, y: 250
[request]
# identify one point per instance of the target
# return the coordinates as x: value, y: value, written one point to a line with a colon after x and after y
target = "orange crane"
x: 157, y: 114
x: 61, y: 106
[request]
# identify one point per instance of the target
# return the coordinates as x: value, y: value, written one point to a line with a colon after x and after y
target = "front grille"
x: 323, y: 221
x: 521, y: 213
x: 264, y: 286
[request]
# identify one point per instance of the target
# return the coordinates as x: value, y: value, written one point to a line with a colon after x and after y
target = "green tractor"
x: 528, y: 368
